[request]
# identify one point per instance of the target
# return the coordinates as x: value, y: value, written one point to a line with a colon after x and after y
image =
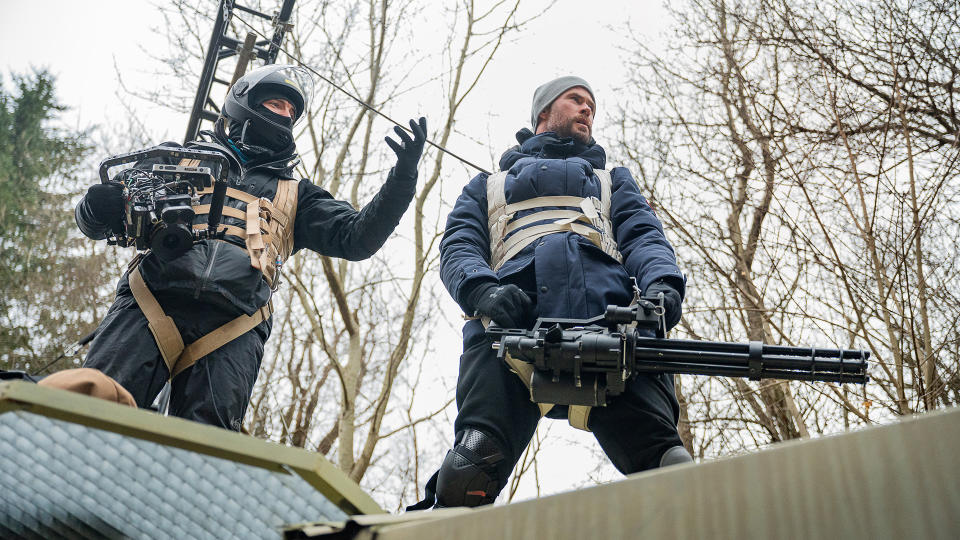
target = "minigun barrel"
x: 666, y: 366
x: 744, y: 348
x: 735, y: 359
x: 837, y: 364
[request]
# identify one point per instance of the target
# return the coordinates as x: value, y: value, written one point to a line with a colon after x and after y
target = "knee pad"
x: 469, y: 473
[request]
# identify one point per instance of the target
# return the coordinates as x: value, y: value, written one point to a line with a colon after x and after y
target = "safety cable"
x: 358, y: 100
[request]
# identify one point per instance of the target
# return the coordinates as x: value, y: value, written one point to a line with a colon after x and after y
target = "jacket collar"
x: 282, y: 167
x: 548, y: 146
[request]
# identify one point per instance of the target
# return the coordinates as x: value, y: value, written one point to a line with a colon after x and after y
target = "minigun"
x: 584, y: 361
x: 158, y: 203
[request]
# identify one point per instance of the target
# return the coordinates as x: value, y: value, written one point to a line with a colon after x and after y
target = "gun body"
x: 585, y: 361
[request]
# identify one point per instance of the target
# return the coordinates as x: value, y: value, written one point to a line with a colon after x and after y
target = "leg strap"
x: 165, y: 333
x: 162, y: 327
x: 220, y: 337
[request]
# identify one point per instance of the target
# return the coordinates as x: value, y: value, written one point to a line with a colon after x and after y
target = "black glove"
x: 408, y: 150
x: 506, y: 305
x: 105, y: 202
x: 671, y: 301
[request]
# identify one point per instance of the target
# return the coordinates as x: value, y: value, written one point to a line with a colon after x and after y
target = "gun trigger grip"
x: 554, y: 334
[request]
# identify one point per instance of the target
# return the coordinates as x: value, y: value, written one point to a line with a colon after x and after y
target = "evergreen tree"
x: 50, y: 276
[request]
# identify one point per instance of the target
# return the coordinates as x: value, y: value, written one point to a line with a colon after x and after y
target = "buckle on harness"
x: 276, y: 277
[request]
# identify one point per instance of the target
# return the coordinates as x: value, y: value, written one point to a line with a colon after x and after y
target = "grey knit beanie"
x: 544, y: 96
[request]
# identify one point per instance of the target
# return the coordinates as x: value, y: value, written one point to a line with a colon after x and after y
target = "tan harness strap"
x: 201, y: 209
x: 168, y: 338
x: 525, y: 237
x: 579, y: 416
x: 232, y: 193
x: 253, y: 239
x: 572, y: 215
x: 241, y: 195
x: 220, y: 337
x: 609, y: 242
x: 540, y: 202
x: 278, y: 217
x: 496, y: 217
x: 284, y: 216
x: 606, y: 185
x: 162, y: 327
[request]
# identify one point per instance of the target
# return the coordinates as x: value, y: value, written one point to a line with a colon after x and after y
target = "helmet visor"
x: 299, y: 78
x: 285, y: 79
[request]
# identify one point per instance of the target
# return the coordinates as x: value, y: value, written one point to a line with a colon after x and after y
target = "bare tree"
x: 805, y: 157
x: 887, y: 76
x: 716, y: 178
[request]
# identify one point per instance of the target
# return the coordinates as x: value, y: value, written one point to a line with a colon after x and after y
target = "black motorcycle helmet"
x: 249, y: 122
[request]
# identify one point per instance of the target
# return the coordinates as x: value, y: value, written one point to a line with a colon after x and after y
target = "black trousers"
x: 634, y: 429
x: 215, y: 390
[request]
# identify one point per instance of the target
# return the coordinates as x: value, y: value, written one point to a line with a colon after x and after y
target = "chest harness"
x: 268, y: 237
x: 588, y: 216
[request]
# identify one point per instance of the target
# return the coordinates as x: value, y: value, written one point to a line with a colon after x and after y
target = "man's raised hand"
x: 408, y: 150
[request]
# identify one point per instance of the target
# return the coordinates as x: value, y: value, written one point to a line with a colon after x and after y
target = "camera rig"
x: 583, y: 361
x: 158, y: 203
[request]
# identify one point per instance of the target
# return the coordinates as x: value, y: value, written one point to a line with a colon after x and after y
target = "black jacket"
x: 219, y: 273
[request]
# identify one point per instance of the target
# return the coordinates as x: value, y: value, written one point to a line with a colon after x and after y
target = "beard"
x: 567, y: 127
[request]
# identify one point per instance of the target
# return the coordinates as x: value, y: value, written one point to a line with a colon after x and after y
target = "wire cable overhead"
x: 366, y: 105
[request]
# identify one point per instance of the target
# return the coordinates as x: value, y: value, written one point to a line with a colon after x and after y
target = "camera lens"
x: 172, y: 241
x: 177, y: 214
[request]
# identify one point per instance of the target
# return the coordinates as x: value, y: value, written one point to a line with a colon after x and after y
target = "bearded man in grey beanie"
x: 553, y: 234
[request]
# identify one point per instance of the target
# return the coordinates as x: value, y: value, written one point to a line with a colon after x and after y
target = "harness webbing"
x: 175, y: 355
x: 268, y: 236
x: 268, y: 231
x: 508, y: 237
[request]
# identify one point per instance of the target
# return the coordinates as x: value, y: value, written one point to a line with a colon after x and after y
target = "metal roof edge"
x: 897, y: 480
x: 195, y: 437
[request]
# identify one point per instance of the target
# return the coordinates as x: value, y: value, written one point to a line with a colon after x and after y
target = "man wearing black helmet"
x: 201, y: 319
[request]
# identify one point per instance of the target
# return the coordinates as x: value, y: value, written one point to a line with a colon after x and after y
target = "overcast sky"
x: 84, y: 44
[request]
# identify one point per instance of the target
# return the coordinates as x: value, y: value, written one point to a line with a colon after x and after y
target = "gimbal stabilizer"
x: 158, y: 203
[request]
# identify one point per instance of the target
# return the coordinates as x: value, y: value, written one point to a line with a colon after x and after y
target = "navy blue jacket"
x: 565, y: 272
